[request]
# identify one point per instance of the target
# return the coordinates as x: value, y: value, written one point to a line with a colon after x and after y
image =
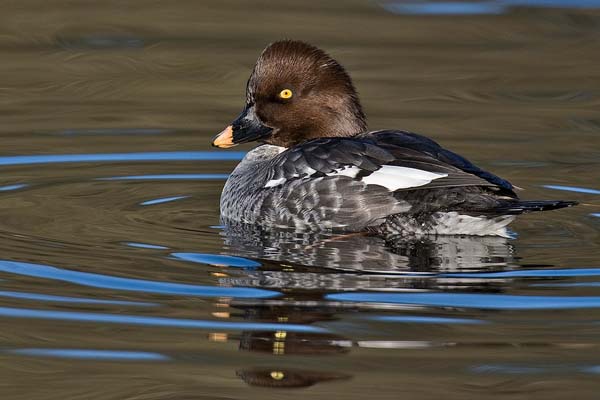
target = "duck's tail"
x: 526, y: 206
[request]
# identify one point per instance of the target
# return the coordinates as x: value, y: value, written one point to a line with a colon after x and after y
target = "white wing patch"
x: 275, y: 182
x: 389, y: 176
x: 394, y: 177
x: 350, y: 172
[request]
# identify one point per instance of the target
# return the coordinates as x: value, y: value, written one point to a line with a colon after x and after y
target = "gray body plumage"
x: 322, y: 203
x: 260, y: 191
x: 386, y: 182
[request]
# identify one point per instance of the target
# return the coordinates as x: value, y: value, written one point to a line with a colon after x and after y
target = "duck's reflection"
x: 306, y: 267
x: 286, y: 343
x: 286, y: 378
x: 291, y: 343
x: 364, y: 253
x: 325, y: 263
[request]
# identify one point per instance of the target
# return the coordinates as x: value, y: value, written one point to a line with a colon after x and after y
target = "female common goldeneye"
x: 318, y: 168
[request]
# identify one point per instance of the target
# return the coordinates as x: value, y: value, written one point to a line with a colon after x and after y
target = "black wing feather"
x: 371, y: 151
x: 429, y: 146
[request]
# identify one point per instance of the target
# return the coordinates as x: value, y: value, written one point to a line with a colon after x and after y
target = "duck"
x: 318, y: 168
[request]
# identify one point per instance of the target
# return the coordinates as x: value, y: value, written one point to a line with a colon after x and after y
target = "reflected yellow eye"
x: 277, y: 375
x: 285, y: 94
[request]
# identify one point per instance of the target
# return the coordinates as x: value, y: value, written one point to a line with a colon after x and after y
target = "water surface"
x: 118, y: 282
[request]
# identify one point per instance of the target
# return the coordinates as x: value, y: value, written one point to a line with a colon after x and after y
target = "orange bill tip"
x: 224, y: 139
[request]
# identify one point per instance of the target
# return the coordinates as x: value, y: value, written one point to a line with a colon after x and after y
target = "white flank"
x: 453, y: 223
x: 393, y: 177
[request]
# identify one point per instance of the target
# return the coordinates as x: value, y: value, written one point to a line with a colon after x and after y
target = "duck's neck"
x: 343, y: 119
x: 345, y: 125
x: 348, y: 122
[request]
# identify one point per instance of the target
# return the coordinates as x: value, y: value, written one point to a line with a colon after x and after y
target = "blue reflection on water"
x: 93, y: 354
x: 146, y: 246
x: 123, y: 157
x: 425, y: 320
x: 199, y: 177
x: 162, y: 200
x: 65, y: 299
x: 446, y: 8
x: 135, y: 285
x: 480, y: 7
x: 13, y: 187
x: 216, y: 259
x: 156, y: 321
x: 577, y: 284
x: 471, y: 300
x: 572, y: 189
x: 545, y: 273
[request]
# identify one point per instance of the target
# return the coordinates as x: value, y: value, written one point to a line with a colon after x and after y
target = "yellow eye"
x: 285, y: 94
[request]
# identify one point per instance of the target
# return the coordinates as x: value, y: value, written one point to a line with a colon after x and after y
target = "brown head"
x: 296, y: 93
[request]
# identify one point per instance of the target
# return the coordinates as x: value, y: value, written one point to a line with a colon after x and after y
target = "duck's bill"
x: 246, y: 128
x: 224, y: 140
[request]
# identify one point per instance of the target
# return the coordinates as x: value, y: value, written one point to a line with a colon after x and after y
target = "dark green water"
x: 116, y: 281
